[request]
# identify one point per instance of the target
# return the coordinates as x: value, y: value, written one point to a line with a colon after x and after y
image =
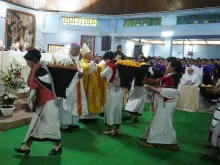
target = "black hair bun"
x: 109, y: 55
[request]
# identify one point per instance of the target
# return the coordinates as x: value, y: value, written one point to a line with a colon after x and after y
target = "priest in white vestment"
x: 75, y: 104
x: 188, y: 99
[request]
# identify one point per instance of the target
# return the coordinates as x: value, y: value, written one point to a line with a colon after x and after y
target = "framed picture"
x: 90, y: 41
x: 55, y: 48
x: 20, y: 30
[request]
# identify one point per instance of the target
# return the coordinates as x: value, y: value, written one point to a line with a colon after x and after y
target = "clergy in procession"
x: 113, y: 109
x: 45, y: 124
x: 91, y: 83
x: 75, y: 104
x: 190, y: 77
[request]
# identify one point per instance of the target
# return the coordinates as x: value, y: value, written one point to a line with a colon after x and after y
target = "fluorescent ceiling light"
x: 213, y: 42
x: 157, y: 42
x: 135, y: 39
x: 198, y: 42
x: 167, y: 34
x: 177, y: 42
x: 145, y: 41
x: 187, y: 43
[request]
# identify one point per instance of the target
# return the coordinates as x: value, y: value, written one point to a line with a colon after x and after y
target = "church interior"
x: 92, y: 76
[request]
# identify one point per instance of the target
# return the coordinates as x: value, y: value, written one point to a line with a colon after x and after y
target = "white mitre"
x: 85, y: 50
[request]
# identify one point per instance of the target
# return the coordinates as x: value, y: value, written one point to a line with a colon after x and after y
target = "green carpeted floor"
x: 89, y: 146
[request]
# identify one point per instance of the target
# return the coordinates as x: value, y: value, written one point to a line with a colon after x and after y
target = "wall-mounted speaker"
x: 106, y: 43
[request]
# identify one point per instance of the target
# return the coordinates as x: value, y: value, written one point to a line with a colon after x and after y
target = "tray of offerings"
x: 206, y: 92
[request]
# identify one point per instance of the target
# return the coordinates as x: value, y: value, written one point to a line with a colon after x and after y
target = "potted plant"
x: 13, y: 80
x: 7, y: 107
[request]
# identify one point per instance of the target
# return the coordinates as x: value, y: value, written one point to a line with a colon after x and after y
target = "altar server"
x: 75, y: 104
x: 91, y: 83
x: 113, y: 109
x: 161, y: 130
x: 45, y: 125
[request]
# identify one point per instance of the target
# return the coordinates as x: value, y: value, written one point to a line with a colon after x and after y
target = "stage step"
x: 21, y: 104
x: 18, y: 119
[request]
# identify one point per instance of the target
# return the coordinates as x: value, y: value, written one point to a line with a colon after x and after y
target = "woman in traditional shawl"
x: 161, y: 130
x: 45, y: 125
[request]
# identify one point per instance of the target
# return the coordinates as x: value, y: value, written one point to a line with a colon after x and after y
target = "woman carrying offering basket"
x: 45, y: 125
x: 136, y: 100
x: 161, y: 130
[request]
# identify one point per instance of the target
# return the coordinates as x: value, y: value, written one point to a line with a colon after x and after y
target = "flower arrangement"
x: 13, y: 79
x: 151, y: 82
x: 129, y: 63
x: 8, y: 98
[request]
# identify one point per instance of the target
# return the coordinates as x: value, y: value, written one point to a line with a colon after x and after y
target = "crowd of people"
x: 96, y: 89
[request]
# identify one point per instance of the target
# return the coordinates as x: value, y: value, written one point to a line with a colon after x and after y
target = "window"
x: 73, y: 21
x: 140, y: 22
x: 198, y: 19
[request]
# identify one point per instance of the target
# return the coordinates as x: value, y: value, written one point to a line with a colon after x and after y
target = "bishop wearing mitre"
x: 91, y: 83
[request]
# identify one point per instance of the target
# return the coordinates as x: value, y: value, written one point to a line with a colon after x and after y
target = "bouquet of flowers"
x: 151, y: 82
x: 13, y: 79
x: 8, y: 98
